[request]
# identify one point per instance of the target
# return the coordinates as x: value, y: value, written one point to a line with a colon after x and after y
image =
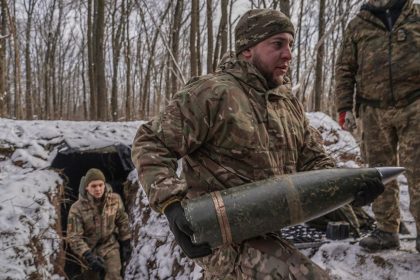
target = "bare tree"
x: 29, y: 8
x: 299, y: 46
x: 224, y: 27
x: 91, y: 63
x: 318, y: 93
x: 16, y: 67
x: 176, y: 27
x: 117, y: 34
x: 3, y: 70
x: 285, y: 7
x: 209, y: 17
x: 142, y: 65
x: 127, y: 56
x: 221, y: 39
x: 99, y: 59
x: 193, y: 38
x: 151, y: 46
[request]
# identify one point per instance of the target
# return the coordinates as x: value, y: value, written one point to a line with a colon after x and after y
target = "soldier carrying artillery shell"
x: 238, y: 125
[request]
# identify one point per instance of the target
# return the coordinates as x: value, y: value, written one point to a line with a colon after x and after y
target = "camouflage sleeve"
x: 158, y: 144
x: 313, y: 156
x: 121, y: 221
x: 75, y: 232
x: 345, y: 72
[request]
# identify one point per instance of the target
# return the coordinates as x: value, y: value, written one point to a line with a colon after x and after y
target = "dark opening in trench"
x: 114, y: 161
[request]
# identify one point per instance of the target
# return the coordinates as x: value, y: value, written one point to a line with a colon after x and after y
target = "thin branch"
x: 165, y: 43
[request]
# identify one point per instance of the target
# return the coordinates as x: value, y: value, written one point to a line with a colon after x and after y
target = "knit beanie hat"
x: 92, y: 175
x: 259, y: 24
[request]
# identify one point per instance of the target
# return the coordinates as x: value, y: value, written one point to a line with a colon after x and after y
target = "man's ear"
x: 246, y: 54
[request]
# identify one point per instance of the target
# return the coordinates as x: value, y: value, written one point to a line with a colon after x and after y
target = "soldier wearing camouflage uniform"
x: 96, y: 222
x: 380, y: 58
x: 238, y: 125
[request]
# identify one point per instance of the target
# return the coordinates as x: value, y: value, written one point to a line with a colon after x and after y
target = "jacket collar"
x: 248, y: 75
x: 366, y: 15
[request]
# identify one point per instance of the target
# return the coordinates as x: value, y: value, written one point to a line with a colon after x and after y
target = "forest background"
x: 122, y: 60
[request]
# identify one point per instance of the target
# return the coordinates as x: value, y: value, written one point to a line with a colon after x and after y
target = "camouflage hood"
x: 375, y: 5
x: 366, y: 9
x: 82, y: 189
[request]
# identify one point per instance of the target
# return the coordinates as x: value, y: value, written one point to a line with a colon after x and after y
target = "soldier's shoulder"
x: 357, y: 22
x: 76, y: 206
x: 208, y: 85
x: 114, y: 197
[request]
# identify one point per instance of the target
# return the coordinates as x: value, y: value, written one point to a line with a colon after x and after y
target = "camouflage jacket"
x: 229, y: 129
x: 383, y: 65
x: 97, y: 227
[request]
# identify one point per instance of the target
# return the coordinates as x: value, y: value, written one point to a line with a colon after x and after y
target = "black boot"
x: 380, y: 240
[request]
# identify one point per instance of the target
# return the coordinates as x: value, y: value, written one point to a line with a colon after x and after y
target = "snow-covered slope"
x: 30, y: 238
x: 27, y: 216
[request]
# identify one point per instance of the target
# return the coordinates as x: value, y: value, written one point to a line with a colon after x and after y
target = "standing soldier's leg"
x: 410, y: 157
x: 380, y: 139
x: 113, y: 265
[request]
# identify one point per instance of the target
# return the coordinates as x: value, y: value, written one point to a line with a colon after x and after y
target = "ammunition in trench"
x: 260, y: 207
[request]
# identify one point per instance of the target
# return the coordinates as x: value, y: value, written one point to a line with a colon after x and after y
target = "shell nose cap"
x: 389, y: 173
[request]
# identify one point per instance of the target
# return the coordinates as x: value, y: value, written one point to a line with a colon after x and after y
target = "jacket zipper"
x: 391, y: 86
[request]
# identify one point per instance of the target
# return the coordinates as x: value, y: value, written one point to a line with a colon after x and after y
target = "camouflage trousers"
x: 112, y: 268
x: 390, y: 138
x: 263, y: 258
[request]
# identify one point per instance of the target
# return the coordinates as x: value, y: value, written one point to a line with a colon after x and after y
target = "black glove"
x: 126, y: 249
x: 369, y: 191
x: 96, y: 263
x: 183, y: 233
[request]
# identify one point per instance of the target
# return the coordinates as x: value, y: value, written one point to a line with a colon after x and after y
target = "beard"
x: 272, y: 81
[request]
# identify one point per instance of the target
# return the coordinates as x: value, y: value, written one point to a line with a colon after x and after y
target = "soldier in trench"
x: 97, y: 225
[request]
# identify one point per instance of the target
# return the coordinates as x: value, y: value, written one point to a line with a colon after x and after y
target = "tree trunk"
x: 16, y: 69
x: 117, y: 37
x: 193, y: 38
x: 52, y: 61
x: 176, y: 27
x: 84, y: 87
x: 3, y: 65
x: 224, y: 28
x: 91, y: 62
x: 198, y: 44
x: 145, y: 100
x: 99, y: 58
x: 138, y: 72
x: 318, y: 90
x: 128, y: 96
x: 209, y: 12
x: 285, y: 7
x: 299, y: 48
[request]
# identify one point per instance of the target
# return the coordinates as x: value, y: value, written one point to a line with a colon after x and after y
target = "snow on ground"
x: 346, y: 260
x: 339, y: 143
x: 29, y: 242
